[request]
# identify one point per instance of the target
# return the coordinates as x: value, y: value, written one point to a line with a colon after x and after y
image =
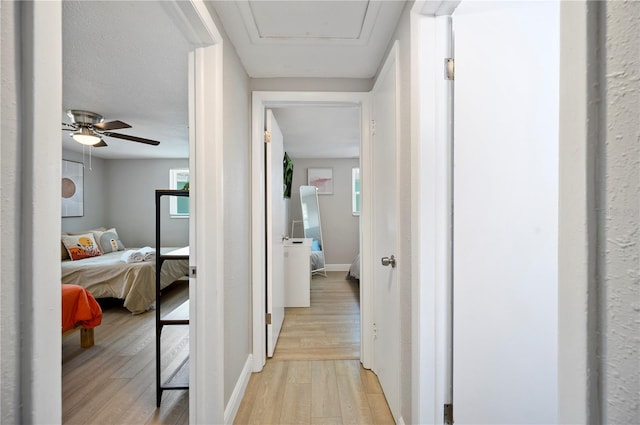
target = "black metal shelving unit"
x: 179, y: 379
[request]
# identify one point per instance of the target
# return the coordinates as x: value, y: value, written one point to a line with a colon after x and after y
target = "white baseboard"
x: 401, y: 421
x: 231, y: 410
x: 337, y: 267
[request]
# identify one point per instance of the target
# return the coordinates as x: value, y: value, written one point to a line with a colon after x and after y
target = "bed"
x: 80, y: 310
x: 107, y: 276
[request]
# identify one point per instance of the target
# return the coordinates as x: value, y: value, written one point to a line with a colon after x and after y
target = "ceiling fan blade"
x: 111, y: 125
x: 100, y: 144
x: 132, y: 138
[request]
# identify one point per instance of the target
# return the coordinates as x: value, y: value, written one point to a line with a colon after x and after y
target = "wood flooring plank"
x: 267, y: 405
x: 353, y: 400
x: 380, y: 410
x: 324, y: 390
x: 296, y: 404
x: 113, y: 382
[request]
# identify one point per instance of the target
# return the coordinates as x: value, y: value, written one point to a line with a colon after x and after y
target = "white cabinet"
x: 297, y: 272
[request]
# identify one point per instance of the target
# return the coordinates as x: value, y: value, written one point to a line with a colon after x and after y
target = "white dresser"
x: 297, y: 272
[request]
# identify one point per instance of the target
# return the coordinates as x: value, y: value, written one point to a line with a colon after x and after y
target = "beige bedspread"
x: 135, y: 283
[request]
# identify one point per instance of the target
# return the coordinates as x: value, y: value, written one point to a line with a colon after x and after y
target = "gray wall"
x: 340, y: 229
x: 237, y: 215
x: 95, y: 192
x: 10, y: 189
x: 120, y: 193
x: 130, y: 202
x: 619, y: 216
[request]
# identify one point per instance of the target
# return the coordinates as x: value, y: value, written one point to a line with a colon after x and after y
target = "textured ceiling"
x: 127, y: 60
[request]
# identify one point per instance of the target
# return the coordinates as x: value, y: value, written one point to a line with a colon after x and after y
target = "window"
x: 179, y: 205
x: 355, y: 191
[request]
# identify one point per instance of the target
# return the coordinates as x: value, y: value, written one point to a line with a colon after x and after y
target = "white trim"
x: 337, y: 267
x: 401, y: 421
x: 431, y: 209
x: 260, y: 101
x: 206, y: 232
x: 206, y: 229
x: 39, y: 88
x: 580, y: 99
x: 233, y: 405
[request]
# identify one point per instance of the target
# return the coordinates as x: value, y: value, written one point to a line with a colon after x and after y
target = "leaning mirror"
x: 312, y: 227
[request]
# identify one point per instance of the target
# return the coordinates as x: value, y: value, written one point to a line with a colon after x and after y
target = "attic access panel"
x: 342, y: 20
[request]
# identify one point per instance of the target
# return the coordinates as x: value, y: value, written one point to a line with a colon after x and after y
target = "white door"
x: 274, y: 152
x: 386, y: 344
x: 505, y: 212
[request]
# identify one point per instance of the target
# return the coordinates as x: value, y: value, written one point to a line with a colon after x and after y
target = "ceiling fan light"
x: 85, y: 137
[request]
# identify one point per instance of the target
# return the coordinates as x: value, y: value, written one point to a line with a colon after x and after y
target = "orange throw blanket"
x: 79, y: 308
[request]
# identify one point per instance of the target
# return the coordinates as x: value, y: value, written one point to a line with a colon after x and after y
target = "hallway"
x: 315, y: 376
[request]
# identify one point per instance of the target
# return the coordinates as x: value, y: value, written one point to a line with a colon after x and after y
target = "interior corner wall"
x: 129, y: 202
x: 340, y: 229
x: 619, y: 215
x: 312, y: 84
x: 94, y: 193
x: 403, y: 35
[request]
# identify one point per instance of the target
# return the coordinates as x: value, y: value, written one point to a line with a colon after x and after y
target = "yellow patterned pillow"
x: 81, y: 246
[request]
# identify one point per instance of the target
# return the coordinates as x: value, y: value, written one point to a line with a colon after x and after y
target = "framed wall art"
x: 72, y: 189
x: 322, y: 178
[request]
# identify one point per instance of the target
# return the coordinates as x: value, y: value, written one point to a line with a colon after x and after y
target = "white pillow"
x: 108, y: 241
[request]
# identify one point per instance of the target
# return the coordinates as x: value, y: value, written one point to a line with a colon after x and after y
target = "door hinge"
x: 268, y: 318
x: 375, y: 331
x: 193, y: 271
x: 449, y: 69
x: 373, y: 127
x: 448, y: 414
x: 267, y: 137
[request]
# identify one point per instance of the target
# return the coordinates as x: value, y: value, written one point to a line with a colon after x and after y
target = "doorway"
x: 274, y: 100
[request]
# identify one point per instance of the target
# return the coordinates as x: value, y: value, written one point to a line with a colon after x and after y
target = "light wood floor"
x: 329, y: 329
x: 315, y: 376
x: 114, y: 381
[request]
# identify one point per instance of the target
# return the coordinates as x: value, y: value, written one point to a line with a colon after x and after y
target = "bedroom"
x: 118, y: 181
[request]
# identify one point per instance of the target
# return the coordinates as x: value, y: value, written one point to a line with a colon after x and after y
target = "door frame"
x: 579, y: 23
x: 262, y: 100
x: 41, y: 393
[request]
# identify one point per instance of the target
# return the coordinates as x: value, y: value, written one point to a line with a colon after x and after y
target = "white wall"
x: 312, y: 84
x: 340, y: 229
x: 402, y: 34
x: 95, y: 193
x: 129, y: 202
x: 506, y: 214
x: 619, y: 216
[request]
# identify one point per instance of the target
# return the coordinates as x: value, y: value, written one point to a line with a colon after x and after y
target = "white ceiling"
x: 321, y: 38
x: 127, y: 60
x: 320, y: 132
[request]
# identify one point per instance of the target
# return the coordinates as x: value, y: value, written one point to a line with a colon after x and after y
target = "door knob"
x: 389, y: 261
x: 285, y: 238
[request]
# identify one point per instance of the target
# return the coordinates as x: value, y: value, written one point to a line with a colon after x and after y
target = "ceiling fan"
x: 88, y: 128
